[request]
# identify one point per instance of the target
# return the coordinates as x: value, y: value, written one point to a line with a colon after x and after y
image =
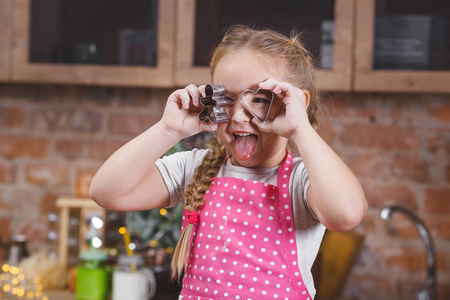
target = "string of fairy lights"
x: 14, y: 286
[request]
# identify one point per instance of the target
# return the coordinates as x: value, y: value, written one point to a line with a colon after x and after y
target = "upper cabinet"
x: 95, y: 42
x: 402, y: 46
x: 359, y: 45
x: 326, y: 27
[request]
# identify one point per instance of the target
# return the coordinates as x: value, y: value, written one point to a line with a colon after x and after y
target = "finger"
x: 202, y: 90
x: 194, y: 94
x: 268, y: 84
x: 283, y: 88
x: 266, y: 127
x: 288, y: 89
x: 185, y: 98
x: 208, y: 126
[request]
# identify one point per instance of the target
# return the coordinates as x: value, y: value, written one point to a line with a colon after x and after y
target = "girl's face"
x: 248, y: 146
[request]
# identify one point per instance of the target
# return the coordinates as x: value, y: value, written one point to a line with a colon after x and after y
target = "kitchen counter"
x: 67, y: 295
x: 60, y: 295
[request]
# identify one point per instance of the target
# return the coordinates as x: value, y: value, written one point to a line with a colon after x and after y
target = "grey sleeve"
x: 177, y: 171
x: 300, y: 184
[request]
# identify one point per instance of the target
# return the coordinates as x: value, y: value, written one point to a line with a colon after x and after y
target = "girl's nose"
x: 240, y: 115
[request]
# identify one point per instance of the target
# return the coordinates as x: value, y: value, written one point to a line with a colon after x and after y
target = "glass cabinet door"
x: 411, y: 37
x: 308, y: 17
x: 112, y: 32
x: 402, y: 46
x: 5, y: 36
x: 94, y: 41
x: 325, y: 27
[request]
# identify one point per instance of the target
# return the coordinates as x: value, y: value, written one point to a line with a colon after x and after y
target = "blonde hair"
x: 298, y: 68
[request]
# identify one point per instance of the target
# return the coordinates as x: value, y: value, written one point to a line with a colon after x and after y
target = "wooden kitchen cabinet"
x: 202, y: 22
x: 75, y: 59
x: 188, y: 30
x: 368, y: 78
x: 5, y: 35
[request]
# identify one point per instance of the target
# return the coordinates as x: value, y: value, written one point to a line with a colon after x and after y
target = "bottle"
x: 132, y: 281
x: 93, y: 276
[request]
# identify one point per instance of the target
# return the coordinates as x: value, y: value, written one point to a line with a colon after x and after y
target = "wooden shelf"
x: 86, y: 206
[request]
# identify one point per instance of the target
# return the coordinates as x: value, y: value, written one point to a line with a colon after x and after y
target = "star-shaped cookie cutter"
x: 214, y: 104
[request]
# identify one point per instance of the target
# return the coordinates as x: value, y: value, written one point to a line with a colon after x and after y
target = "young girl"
x: 254, y: 214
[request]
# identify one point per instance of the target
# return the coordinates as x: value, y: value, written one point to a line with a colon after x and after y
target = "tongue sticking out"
x: 245, y: 146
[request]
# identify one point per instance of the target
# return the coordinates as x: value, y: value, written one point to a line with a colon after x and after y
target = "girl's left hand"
x: 295, y: 117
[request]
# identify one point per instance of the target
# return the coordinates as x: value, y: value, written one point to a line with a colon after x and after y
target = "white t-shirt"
x: 178, y: 169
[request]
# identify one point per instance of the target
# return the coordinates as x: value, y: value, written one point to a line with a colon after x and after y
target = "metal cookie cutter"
x: 214, y: 104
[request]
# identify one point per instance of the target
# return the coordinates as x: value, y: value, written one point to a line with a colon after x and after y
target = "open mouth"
x: 245, y: 144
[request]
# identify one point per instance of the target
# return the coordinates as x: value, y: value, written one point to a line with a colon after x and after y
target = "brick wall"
x: 397, y: 144
x: 399, y: 147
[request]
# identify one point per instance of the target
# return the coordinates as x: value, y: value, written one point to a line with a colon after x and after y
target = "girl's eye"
x: 260, y: 100
x: 229, y: 100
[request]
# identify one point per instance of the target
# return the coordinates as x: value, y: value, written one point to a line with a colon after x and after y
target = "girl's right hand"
x: 181, y: 113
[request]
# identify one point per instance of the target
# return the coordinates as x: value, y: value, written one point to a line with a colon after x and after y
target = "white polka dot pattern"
x: 243, y: 246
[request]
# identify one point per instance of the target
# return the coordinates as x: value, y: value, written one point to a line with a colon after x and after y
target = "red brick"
x: 365, y: 164
x: 4, y: 227
x: 50, y: 175
x: 441, y: 113
x: 101, y: 150
x: 441, y: 263
x: 447, y: 172
x: 377, y: 285
x: 439, y: 141
x: 35, y: 230
x: 20, y: 200
x: 139, y: 97
x: 407, y: 289
x: 70, y: 149
x: 159, y: 99
x: 437, y: 200
x: 443, y: 290
x: 439, y: 226
x: 326, y: 132
x: 408, y: 260
x: 66, y: 119
x: 12, y: 146
x: 414, y: 168
x: 382, y: 195
x: 11, y: 117
x: 344, y: 107
x: 380, y: 137
x: 335, y: 107
x: 83, y: 182
x: 48, y: 203
x: 370, y: 222
x: 5, y: 233
x: 7, y: 172
x: 132, y: 123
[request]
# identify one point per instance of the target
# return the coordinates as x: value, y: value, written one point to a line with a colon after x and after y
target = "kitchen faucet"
x: 429, y: 291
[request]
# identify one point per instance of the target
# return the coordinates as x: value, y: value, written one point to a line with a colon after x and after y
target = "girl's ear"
x: 308, y: 98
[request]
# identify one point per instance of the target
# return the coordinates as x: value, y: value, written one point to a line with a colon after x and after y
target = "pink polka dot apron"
x: 243, y: 245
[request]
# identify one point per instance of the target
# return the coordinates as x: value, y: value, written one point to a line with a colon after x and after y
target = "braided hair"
x: 193, y: 197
